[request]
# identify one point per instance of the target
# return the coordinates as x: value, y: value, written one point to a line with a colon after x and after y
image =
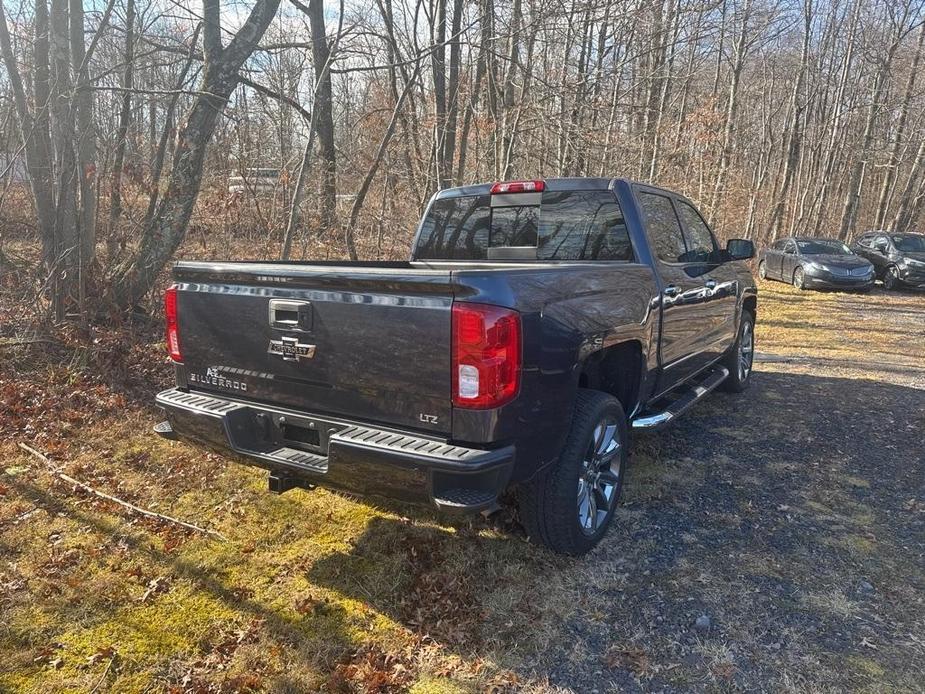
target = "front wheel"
x: 569, y: 507
x: 738, y: 360
x: 891, y: 278
x: 763, y: 270
x: 799, y: 278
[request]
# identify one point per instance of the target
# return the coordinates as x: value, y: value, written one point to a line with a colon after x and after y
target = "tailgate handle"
x: 290, y: 315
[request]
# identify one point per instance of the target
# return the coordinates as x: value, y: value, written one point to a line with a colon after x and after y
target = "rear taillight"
x: 518, y: 187
x: 173, y: 326
x: 486, y: 355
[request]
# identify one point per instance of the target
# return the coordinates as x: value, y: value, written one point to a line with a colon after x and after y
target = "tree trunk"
x: 321, y: 54
x: 35, y: 127
x: 168, y: 226
x: 86, y: 135
x: 889, y: 176
x: 67, y: 232
x: 125, y: 117
x: 859, y: 167
x: 350, y: 230
x: 452, y: 104
x: 906, y: 211
x: 796, y: 126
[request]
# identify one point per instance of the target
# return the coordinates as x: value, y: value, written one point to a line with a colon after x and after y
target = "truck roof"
x: 552, y: 184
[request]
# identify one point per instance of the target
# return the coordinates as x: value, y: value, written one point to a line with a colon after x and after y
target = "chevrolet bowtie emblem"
x: 290, y: 349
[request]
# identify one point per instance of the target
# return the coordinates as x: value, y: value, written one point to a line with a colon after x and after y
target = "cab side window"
x: 790, y: 247
x: 865, y: 240
x: 701, y: 247
x: 664, y: 228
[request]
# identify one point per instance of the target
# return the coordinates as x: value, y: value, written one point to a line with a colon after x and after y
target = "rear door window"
x: 664, y: 227
x: 583, y: 225
x: 566, y: 225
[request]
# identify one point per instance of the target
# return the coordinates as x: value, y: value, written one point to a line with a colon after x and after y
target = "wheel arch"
x: 750, y: 304
x: 617, y: 370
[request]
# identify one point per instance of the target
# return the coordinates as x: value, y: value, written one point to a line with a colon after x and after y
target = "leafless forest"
x: 305, y: 129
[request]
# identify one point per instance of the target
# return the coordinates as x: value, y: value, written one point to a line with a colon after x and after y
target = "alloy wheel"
x: 746, y: 350
x: 798, y: 278
x: 891, y: 278
x: 599, y: 476
x: 763, y: 270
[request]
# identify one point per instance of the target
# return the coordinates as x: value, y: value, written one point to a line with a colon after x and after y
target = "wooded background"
x: 123, y: 124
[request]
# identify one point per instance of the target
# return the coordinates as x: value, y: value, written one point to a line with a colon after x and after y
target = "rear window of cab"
x: 569, y: 225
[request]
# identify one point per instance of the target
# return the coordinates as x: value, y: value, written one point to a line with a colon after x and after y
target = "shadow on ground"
x: 792, y: 517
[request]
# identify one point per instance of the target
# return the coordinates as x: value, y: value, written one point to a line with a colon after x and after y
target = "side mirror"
x: 740, y: 249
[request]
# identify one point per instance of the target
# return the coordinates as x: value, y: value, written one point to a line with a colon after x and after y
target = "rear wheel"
x: 799, y: 278
x: 763, y: 270
x: 891, y: 278
x: 569, y: 507
x: 738, y: 360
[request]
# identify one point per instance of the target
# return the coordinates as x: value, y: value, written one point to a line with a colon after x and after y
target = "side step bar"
x: 693, y: 394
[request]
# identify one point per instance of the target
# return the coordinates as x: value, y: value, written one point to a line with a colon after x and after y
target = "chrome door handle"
x: 290, y: 315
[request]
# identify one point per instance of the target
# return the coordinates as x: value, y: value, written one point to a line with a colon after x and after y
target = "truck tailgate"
x: 368, y: 342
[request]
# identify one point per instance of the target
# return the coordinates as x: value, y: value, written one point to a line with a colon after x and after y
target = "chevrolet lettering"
x: 290, y: 349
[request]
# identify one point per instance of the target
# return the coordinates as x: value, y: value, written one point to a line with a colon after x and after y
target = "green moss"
x: 434, y: 685
x: 174, y: 622
x: 859, y: 543
x: 866, y: 666
x: 857, y: 482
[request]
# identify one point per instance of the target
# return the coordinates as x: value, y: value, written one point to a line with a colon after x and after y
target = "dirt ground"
x: 773, y: 540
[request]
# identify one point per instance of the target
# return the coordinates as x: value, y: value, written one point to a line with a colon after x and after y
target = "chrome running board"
x: 688, y: 398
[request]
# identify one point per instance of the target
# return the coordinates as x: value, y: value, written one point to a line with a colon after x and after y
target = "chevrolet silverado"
x: 536, y: 324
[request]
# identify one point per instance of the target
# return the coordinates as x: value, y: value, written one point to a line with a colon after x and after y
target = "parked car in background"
x: 535, y: 324
x: 899, y: 259
x: 815, y: 263
x: 255, y: 181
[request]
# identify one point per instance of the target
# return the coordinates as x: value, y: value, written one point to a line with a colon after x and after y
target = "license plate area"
x: 301, y: 437
x: 309, y: 434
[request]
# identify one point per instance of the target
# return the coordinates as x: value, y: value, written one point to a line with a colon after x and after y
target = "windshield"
x: 821, y: 247
x: 910, y: 244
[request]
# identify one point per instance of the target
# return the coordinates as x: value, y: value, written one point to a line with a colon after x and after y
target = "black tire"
x: 737, y: 362
x: 763, y: 270
x: 550, y: 504
x: 799, y: 278
x: 891, y: 278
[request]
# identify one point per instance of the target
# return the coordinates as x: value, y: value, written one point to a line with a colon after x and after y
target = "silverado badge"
x: 290, y: 349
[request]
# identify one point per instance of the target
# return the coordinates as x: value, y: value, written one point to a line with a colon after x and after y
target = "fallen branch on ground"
x: 20, y: 343
x: 136, y: 509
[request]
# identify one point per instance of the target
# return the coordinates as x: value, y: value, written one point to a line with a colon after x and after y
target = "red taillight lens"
x: 486, y: 355
x: 518, y: 187
x: 173, y: 326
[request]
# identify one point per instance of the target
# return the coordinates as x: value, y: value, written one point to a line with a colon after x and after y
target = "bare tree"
x: 168, y: 226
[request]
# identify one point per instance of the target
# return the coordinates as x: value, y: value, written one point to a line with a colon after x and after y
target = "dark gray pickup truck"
x: 536, y: 323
